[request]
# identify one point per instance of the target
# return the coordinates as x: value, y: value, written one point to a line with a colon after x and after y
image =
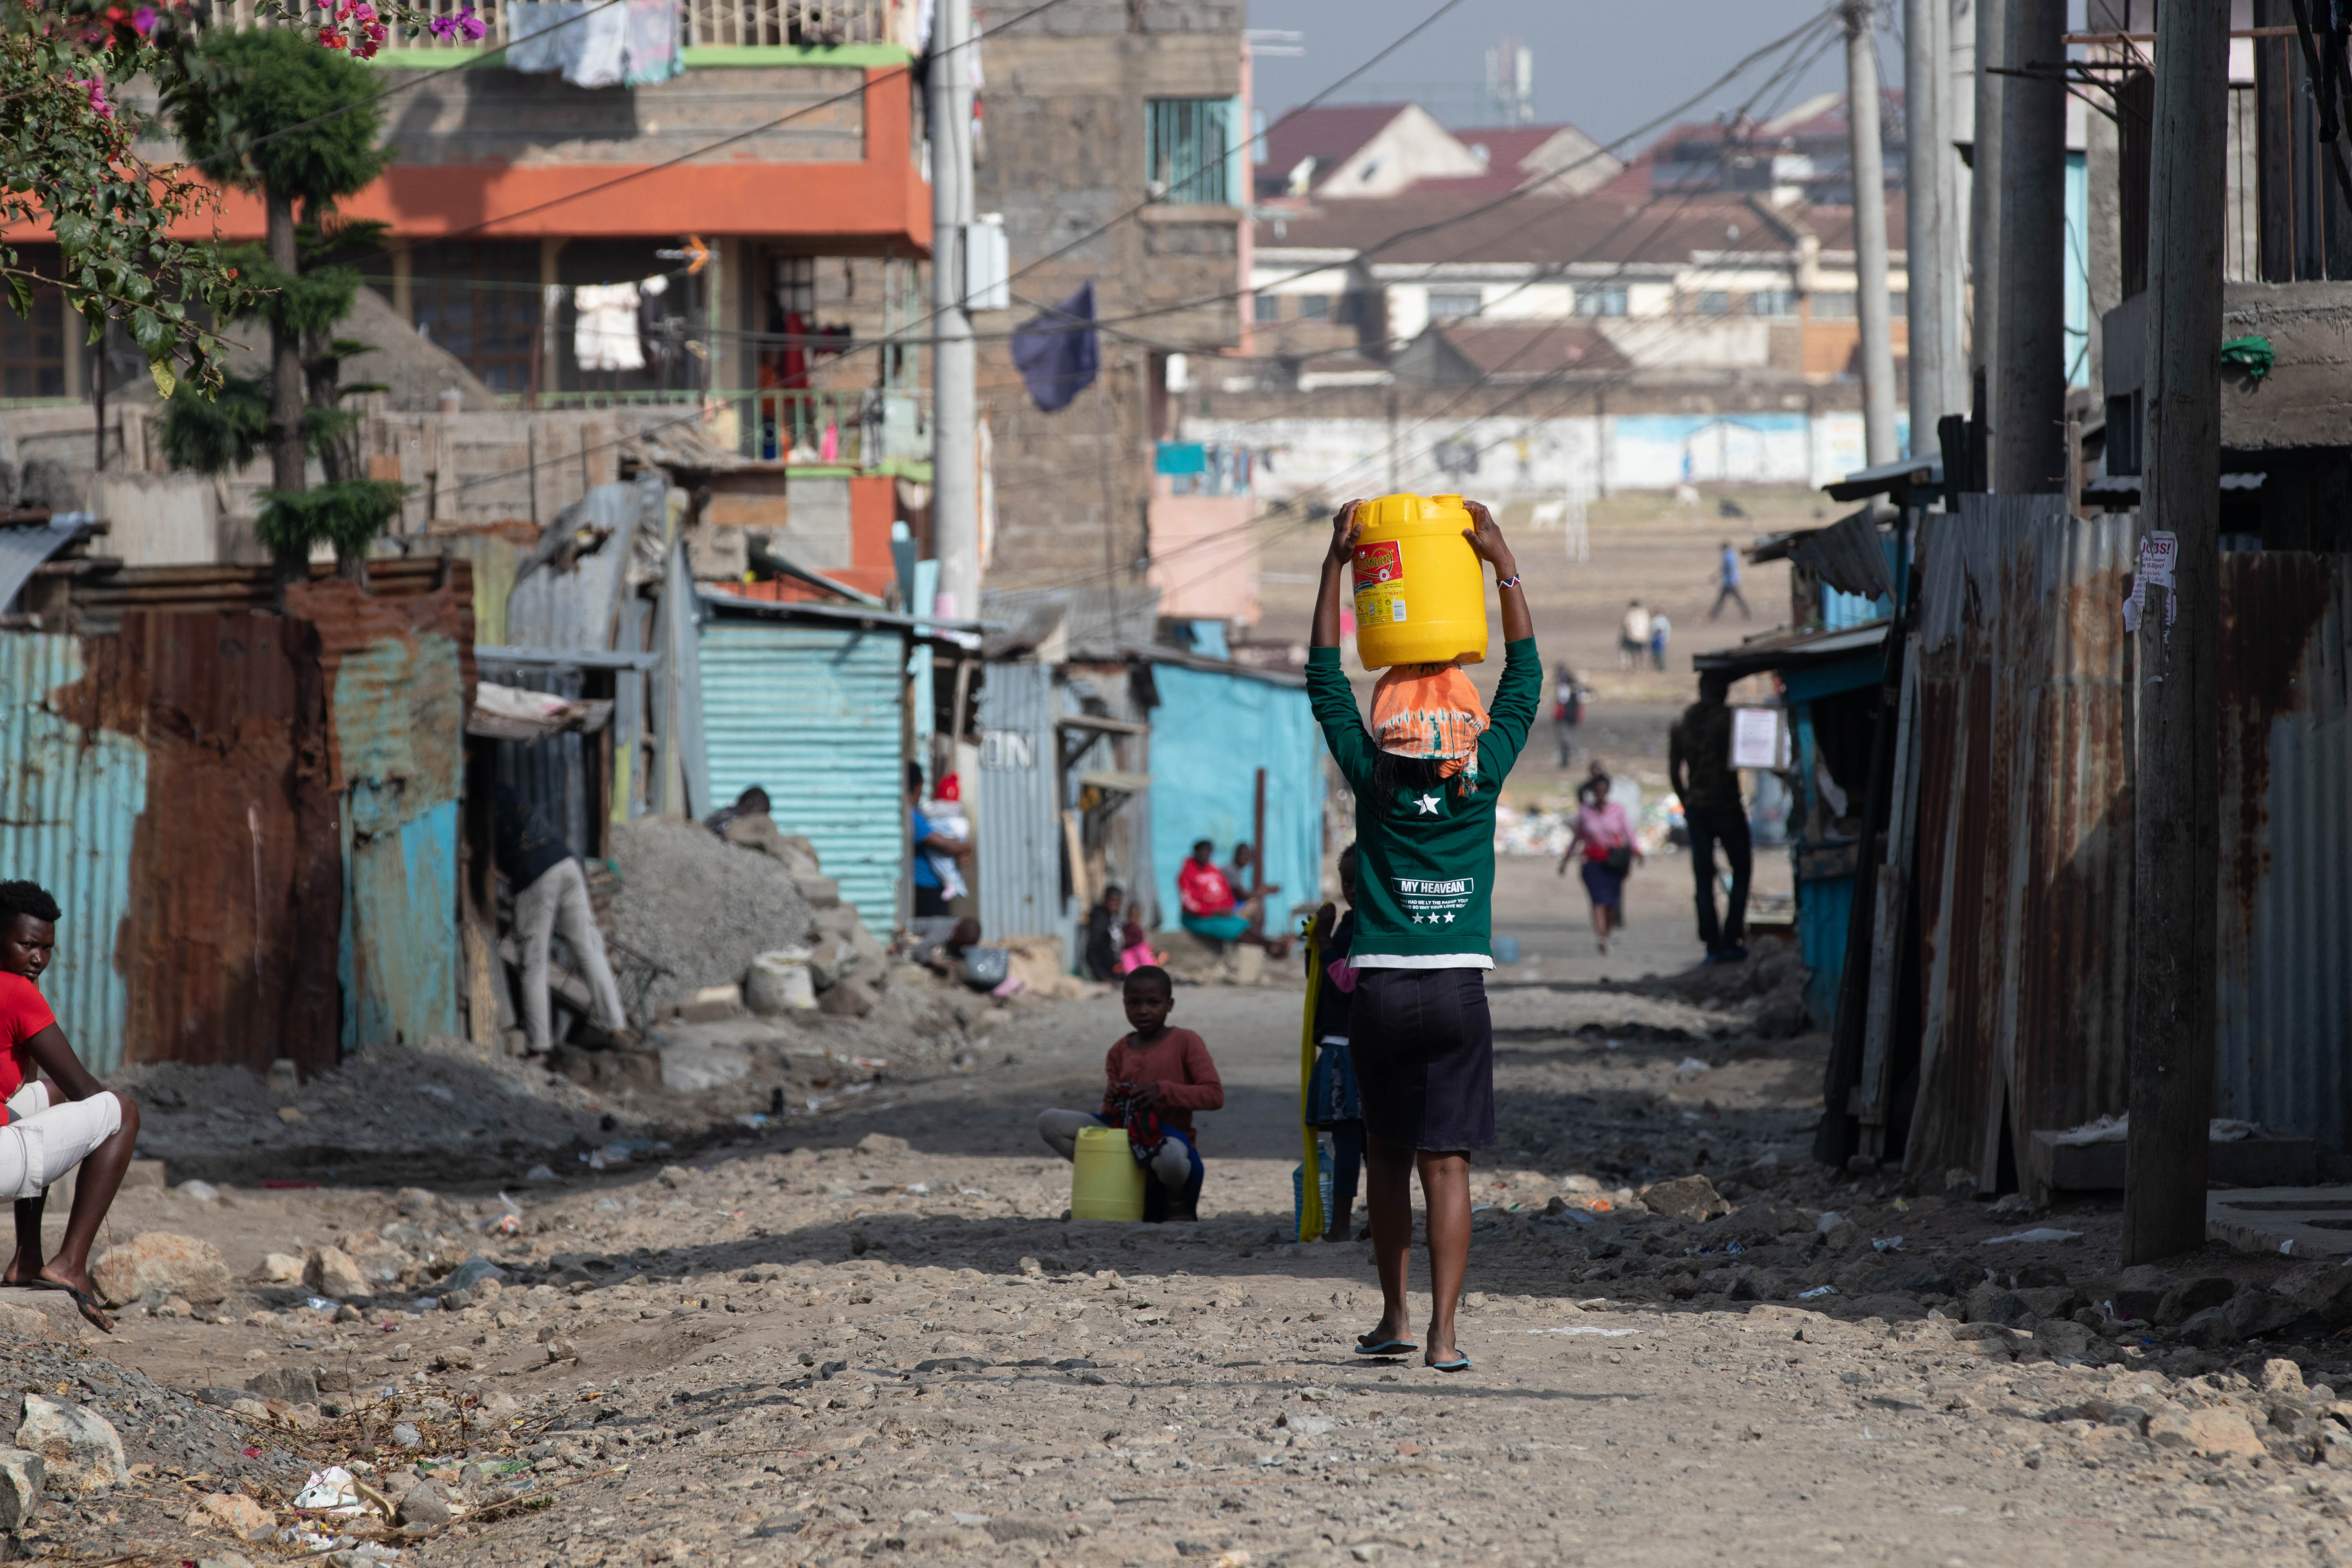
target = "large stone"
x: 851, y: 997
x: 2140, y: 1290
x: 23, y: 1474
x: 424, y: 1506
x: 81, y: 1446
x: 1685, y: 1198
x: 281, y: 1269
x: 2323, y: 1288
x: 1989, y: 1304
x: 2215, y: 1434
x: 161, y: 1260
x: 2184, y: 1302
x: 294, y: 1385
x: 2208, y: 1329
x: 235, y: 1513
x: 331, y: 1272
x: 2254, y: 1312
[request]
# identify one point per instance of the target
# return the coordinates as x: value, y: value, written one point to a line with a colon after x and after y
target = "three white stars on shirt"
x: 1428, y: 804
x: 1434, y: 919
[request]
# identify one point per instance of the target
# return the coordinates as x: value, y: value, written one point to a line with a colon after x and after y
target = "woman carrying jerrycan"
x: 1426, y: 774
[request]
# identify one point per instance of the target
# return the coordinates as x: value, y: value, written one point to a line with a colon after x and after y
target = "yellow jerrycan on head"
x: 1420, y: 590
x: 1105, y: 1181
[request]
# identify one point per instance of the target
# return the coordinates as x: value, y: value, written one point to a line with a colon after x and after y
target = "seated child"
x: 1134, y: 948
x: 52, y: 1127
x: 1332, y: 1105
x: 1155, y: 1078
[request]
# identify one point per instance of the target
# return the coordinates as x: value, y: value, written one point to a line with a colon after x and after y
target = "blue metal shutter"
x: 814, y: 715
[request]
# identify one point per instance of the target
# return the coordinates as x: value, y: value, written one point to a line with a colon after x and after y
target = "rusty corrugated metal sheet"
x: 233, y: 865
x: 71, y: 800
x: 399, y: 678
x: 2025, y: 849
x: 2283, y: 1012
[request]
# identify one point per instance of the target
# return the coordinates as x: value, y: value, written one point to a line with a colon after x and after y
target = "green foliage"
x: 209, y: 432
x: 346, y: 514
x: 251, y: 116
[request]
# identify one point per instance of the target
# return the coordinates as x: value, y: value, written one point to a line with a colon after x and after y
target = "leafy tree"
x: 299, y: 125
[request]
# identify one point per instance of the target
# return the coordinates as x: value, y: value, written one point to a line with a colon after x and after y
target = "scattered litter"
x: 541, y: 1173
x: 1816, y: 1292
x: 330, y: 1490
x: 404, y: 1435
x: 1831, y: 1219
x: 754, y: 1119
x: 321, y: 1303
x: 1735, y: 1249
x: 202, y: 1192
x: 1605, y: 1333
x: 1690, y: 1064
x: 968, y: 1518
x: 920, y: 1189
x: 1887, y: 1244
x: 2039, y: 1233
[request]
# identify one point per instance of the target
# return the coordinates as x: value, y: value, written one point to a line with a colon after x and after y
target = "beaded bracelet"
x: 1510, y: 582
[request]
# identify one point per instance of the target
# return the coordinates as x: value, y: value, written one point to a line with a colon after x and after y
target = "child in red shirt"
x: 1155, y: 1078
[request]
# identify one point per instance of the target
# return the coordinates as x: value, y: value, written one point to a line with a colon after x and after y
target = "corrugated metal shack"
x: 220, y: 796
x: 2013, y: 832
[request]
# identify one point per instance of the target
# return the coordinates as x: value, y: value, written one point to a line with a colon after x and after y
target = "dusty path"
x: 857, y: 1348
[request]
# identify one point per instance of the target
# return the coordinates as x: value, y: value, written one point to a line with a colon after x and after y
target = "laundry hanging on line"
x: 594, y: 45
x: 605, y: 337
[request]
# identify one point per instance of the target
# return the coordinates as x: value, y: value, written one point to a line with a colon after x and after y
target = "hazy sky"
x: 1603, y: 65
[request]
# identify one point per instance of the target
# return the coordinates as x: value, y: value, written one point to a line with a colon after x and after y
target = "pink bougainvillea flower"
x: 142, y: 21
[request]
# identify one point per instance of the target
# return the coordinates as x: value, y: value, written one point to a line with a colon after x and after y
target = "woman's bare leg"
x: 1388, y: 1195
x: 1445, y: 1189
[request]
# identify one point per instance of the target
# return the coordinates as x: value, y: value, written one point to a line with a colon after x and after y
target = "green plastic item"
x: 2252, y: 353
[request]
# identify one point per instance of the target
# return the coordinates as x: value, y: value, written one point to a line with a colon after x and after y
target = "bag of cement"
x: 985, y: 968
x: 780, y: 981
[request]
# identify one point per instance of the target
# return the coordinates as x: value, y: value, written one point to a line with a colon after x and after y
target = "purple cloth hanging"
x: 1055, y: 351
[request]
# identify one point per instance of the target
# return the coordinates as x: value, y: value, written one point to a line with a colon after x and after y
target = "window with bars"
x: 1449, y: 307
x: 1772, y: 302
x: 1608, y: 300
x: 1268, y: 308
x: 481, y: 302
x: 1193, y: 150
x: 33, y: 348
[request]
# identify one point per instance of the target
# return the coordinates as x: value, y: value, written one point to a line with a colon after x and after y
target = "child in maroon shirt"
x: 1155, y: 1078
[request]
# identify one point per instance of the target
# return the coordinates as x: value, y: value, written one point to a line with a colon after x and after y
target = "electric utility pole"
x: 1984, y: 189
x: 2027, y: 389
x: 1869, y: 167
x: 1926, y: 25
x: 955, y: 479
x: 2175, y: 826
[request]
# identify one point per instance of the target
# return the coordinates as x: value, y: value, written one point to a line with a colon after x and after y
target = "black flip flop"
x: 88, y: 1304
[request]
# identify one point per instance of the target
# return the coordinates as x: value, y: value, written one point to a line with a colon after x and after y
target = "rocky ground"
x: 868, y: 1332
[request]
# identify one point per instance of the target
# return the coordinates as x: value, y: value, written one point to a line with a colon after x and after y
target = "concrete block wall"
x: 1065, y: 155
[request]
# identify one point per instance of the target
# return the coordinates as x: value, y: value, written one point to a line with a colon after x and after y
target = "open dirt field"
x: 870, y: 1335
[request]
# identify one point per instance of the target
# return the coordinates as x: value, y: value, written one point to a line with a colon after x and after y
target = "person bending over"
x: 59, y: 1116
x: 1426, y: 777
x: 1155, y: 1078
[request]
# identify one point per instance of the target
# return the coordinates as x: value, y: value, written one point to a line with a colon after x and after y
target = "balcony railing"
x: 859, y: 427
x: 705, y: 23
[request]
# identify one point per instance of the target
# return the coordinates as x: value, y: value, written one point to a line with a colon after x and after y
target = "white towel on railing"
x: 605, y: 335
x: 533, y: 42
x: 654, y: 41
x: 587, y: 40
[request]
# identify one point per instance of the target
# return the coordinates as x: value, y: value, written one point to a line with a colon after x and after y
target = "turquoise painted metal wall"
x: 815, y: 715
x: 1208, y: 735
x: 399, y: 715
x: 70, y: 799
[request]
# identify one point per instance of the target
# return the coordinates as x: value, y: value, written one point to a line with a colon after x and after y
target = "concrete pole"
x: 2028, y: 390
x: 1869, y: 236
x: 1952, y: 211
x: 1924, y: 21
x: 2174, y: 824
x: 955, y: 446
x: 1984, y: 189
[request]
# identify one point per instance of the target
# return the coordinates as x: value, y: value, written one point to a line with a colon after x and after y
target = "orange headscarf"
x: 1429, y: 710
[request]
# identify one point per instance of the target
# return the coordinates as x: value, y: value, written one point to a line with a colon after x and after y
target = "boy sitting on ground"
x: 1155, y: 1078
x: 52, y: 1127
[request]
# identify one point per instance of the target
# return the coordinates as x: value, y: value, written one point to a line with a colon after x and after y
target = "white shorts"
x: 43, y: 1141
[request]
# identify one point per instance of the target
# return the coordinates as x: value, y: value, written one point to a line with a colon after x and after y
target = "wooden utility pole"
x: 2178, y: 601
x: 2029, y: 379
x: 1869, y: 167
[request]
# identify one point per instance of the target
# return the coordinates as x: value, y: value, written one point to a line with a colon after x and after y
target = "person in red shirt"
x: 1155, y: 1078
x: 51, y: 1127
x: 1211, y: 909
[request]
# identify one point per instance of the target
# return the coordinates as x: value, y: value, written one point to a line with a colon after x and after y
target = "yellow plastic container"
x: 1421, y: 590
x: 1105, y: 1181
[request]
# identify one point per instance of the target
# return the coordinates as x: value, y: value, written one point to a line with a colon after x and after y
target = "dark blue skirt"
x: 1423, y: 1044
x: 1608, y: 888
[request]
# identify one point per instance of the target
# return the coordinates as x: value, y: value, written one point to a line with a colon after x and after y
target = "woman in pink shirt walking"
x: 1605, y: 835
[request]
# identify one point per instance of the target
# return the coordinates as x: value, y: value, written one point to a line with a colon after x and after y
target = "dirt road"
x: 874, y: 1337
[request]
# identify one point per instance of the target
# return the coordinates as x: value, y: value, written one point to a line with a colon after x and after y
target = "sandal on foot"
x: 1459, y: 1363
x: 1366, y: 1345
x: 88, y: 1305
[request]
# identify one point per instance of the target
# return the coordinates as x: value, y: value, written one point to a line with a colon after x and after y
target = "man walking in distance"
x: 1728, y: 584
x: 1426, y: 777
x: 1698, y: 761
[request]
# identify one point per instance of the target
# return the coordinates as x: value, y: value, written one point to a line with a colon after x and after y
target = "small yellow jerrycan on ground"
x: 1105, y: 1181
x: 1421, y: 590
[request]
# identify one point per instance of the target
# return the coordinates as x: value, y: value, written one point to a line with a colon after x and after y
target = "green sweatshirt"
x: 1425, y: 859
